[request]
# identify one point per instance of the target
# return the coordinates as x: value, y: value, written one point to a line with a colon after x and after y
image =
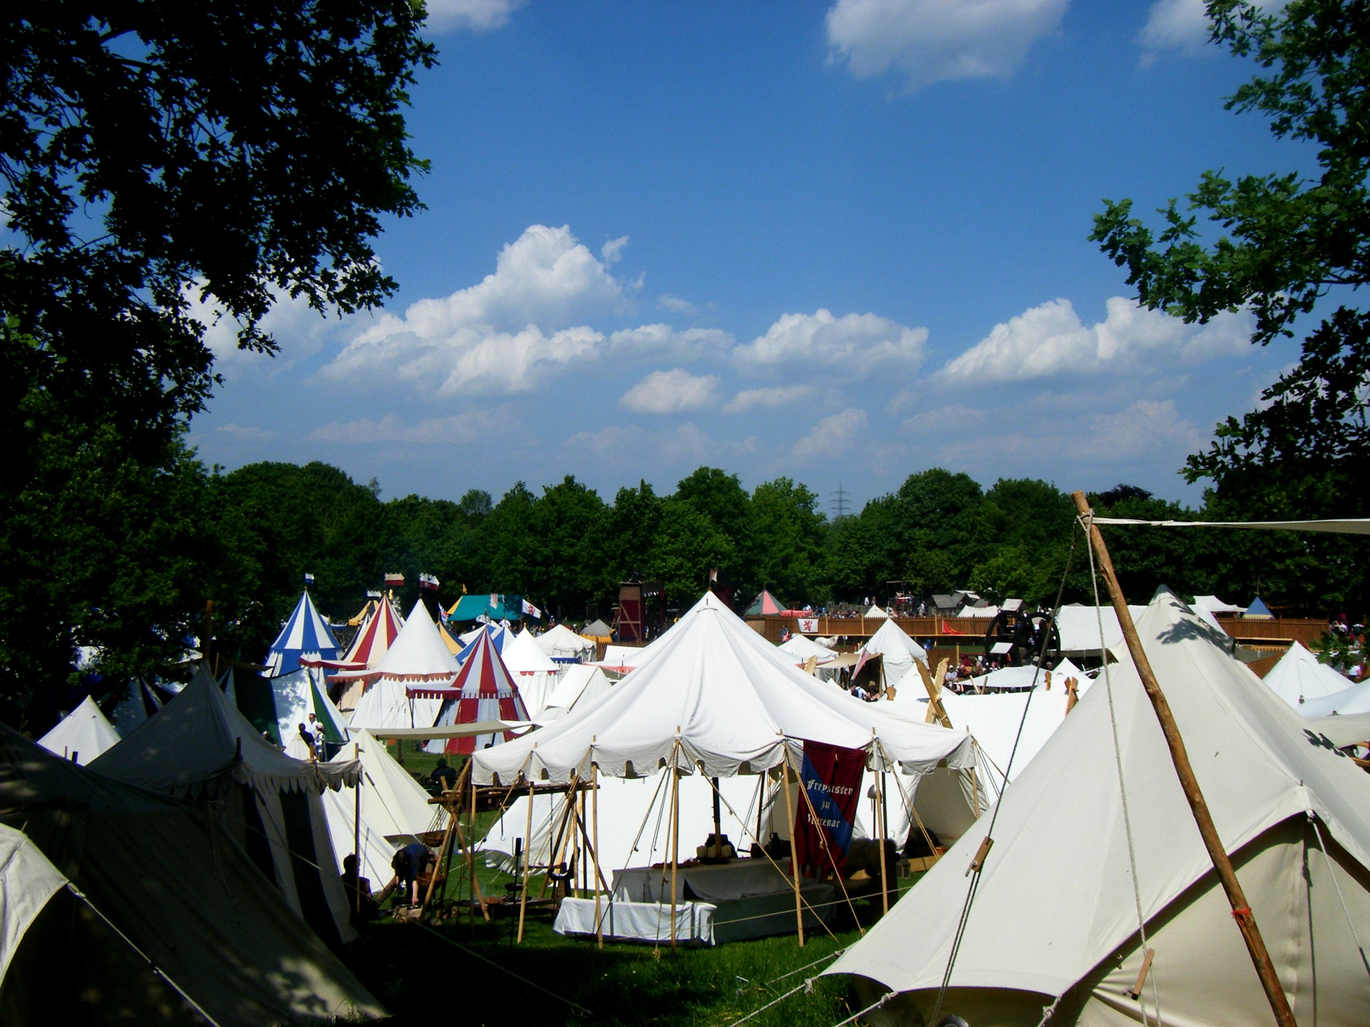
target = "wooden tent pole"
x: 357, y: 833
x: 794, y: 855
x: 594, y: 817
x: 675, y: 830
x: 1179, y: 756
x: 527, y: 849
x: 880, y: 817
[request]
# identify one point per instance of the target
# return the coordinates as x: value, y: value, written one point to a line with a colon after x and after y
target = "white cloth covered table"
x: 638, y: 921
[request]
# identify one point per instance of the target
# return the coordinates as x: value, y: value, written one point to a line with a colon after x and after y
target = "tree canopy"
x: 164, y: 164
x: 1293, y: 249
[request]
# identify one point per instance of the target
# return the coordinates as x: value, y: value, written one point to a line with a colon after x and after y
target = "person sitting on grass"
x: 443, y: 778
x: 361, y: 904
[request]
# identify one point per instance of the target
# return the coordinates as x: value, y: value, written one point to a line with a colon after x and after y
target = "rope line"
x: 504, y: 969
x: 976, y: 872
x: 1122, y: 789
x: 1331, y: 872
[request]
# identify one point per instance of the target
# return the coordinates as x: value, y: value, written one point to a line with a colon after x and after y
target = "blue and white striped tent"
x: 306, y: 633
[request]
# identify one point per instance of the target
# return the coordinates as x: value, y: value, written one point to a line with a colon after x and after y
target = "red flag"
x: 947, y: 629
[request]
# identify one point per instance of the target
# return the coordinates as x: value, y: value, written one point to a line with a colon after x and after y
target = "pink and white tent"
x: 483, y: 691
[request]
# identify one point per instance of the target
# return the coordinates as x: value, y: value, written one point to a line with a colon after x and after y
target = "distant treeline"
x: 567, y: 549
x: 192, y: 554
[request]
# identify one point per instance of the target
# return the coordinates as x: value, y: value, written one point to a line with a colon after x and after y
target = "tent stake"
x: 1179, y: 756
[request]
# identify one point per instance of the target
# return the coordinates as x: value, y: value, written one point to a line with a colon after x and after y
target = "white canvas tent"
x: 896, y: 650
x: 633, y: 825
x: 1078, y: 627
x: 533, y: 670
x: 82, y: 735
x: 417, y: 656
x: 1054, y: 920
x: 394, y: 809
x: 1298, y: 678
x: 110, y: 892
x: 1351, y: 701
x: 565, y: 646
x: 578, y: 683
x: 200, y: 747
x: 716, y: 697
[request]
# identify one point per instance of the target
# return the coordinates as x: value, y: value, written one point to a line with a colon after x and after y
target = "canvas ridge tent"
x: 182, y: 895
x: 1054, y: 921
x: 199, y: 747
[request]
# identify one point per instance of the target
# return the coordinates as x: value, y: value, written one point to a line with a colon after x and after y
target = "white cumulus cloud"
x: 1146, y: 427
x: 928, y: 41
x: 769, y: 398
x: 855, y: 344
x: 1051, y: 339
x: 832, y: 436
x: 507, y: 333
x: 476, y: 15
x: 671, y: 392
x: 1181, y: 26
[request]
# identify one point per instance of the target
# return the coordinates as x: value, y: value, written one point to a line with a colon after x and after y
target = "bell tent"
x: 1053, y: 919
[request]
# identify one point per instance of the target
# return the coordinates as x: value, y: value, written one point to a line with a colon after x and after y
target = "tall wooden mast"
x: 1241, y: 911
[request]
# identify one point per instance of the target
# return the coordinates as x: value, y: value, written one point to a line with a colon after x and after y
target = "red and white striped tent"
x: 483, y: 691
x: 373, y: 640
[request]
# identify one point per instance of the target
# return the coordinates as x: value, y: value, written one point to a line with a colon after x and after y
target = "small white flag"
x: 532, y: 611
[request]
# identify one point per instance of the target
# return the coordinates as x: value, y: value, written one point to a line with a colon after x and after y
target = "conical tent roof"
x: 417, y: 656
x: 899, y: 651
x: 564, y: 645
x: 82, y: 735
x: 306, y: 633
x: 800, y: 648
x: 485, y: 691
x: 498, y: 634
x: 764, y: 605
x: 718, y: 695
x: 1054, y: 911
x: 532, y: 668
x: 1258, y: 610
x: 376, y: 636
x: 1298, y: 677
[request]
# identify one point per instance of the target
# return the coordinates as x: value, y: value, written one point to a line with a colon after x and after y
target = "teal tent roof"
x: 471, y: 607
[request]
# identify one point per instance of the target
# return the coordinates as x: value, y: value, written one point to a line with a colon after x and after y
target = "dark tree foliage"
x: 153, y: 155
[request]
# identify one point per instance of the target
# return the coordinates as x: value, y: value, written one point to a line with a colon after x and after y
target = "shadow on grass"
x: 476, y: 971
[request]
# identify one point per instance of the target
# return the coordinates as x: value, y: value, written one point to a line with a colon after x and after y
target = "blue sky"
x: 837, y: 242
